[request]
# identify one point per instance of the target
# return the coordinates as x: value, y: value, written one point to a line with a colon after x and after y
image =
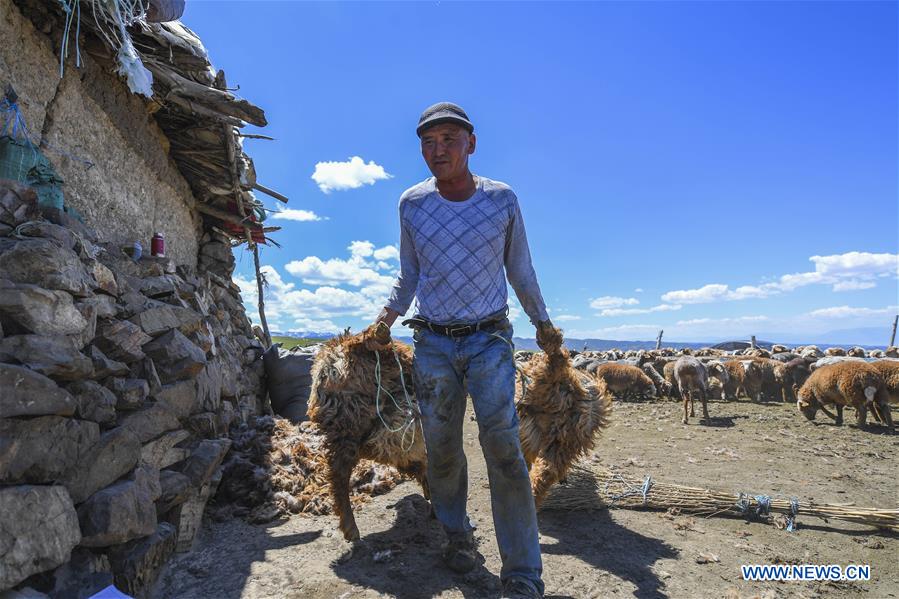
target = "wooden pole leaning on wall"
x: 261, y: 302
x: 659, y: 339
x: 893, y: 335
x: 752, y: 342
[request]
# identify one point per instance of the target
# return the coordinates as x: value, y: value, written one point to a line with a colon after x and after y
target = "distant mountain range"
x: 869, y: 338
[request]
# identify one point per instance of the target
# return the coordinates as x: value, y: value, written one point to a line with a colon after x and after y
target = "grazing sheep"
x: 720, y: 373
x: 692, y: 378
x: 831, y: 360
x: 560, y: 411
x: 856, y: 352
x: 892, y: 352
x: 793, y: 373
x: 344, y: 405
x: 624, y: 380
x: 668, y: 374
x: 834, y: 351
x: 735, y: 374
x: 779, y: 349
x: 847, y: 383
x: 784, y: 356
x: 810, y: 351
x: 663, y: 386
x: 889, y: 372
x: 876, y: 353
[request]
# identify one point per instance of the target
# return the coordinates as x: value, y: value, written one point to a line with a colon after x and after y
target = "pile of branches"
x: 593, y: 487
x: 277, y: 468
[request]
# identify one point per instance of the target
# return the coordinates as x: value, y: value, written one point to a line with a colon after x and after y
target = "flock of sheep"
x: 864, y: 380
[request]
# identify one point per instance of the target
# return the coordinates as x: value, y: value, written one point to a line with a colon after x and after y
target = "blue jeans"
x: 483, y: 364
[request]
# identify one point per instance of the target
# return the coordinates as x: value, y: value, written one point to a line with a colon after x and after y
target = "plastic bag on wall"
x: 21, y: 161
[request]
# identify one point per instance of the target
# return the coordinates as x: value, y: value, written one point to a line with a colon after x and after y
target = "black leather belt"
x: 451, y: 330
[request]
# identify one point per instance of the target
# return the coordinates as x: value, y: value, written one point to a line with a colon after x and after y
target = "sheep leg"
x: 705, y: 407
x: 861, y: 415
x: 543, y: 477
x: 692, y: 410
x: 342, y: 458
x: 886, y: 415
x: 686, y: 401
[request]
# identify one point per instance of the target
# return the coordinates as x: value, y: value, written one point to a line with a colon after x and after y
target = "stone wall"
x: 133, y: 189
x: 118, y: 381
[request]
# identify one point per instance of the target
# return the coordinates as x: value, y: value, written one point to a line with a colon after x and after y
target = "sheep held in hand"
x: 692, y: 379
x: 357, y: 422
x: 847, y: 383
x: 624, y: 380
x: 560, y: 410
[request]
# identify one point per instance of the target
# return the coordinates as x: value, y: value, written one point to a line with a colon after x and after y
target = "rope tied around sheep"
x: 630, y: 490
x: 409, y: 411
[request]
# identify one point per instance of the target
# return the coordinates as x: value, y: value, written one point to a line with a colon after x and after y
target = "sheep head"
x: 806, y: 403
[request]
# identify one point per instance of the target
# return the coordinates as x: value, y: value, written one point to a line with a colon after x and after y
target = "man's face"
x: 446, y: 148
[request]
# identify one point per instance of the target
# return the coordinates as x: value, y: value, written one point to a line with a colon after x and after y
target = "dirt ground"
x: 759, y: 448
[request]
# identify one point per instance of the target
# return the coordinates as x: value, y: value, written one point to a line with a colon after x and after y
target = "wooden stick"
x: 259, y: 287
x: 659, y: 340
x: 270, y: 192
x: 893, y: 335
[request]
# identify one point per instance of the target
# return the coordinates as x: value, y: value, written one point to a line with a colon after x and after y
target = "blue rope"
x: 630, y: 491
x: 14, y: 127
x: 764, y: 506
x: 794, y: 511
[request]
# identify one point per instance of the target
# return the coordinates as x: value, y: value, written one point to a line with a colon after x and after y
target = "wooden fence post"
x: 659, y: 339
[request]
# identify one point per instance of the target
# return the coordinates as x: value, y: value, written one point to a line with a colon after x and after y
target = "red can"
x: 157, y: 245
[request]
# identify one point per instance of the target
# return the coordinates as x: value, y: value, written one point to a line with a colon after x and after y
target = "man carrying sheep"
x: 461, y: 236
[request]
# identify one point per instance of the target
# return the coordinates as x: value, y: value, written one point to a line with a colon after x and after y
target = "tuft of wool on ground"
x: 277, y: 468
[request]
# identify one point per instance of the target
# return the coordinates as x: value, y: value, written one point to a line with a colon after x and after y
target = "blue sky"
x: 715, y: 168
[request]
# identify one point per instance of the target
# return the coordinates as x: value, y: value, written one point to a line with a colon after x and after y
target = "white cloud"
x: 622, y: 332
x: 845, y: 272
x: 850, y: 312
x: 633, y: 311
x: 638, y: 290
x: 853, y: 285
x: 296, y: 214
x: 388, y: 252
x: 355, y: 271
x: 609, y: 301
x: 352, y: 174
x: 566, y: 317
x: 720, y: 321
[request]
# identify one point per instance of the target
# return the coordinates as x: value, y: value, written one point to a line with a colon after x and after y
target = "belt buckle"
x: 457, y: 331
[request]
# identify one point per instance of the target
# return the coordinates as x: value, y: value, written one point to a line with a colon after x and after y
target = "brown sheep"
x: 692, y: 378
x: 343, y: 405
x: 735, y: 374
x: 856, y: 352
x: 889, y: 372
x: 668, y: 373
x: 560, y: 411
x: 835, y: 351
x: 623, y: 380
x: 849, y: 383
x: 792, y: 373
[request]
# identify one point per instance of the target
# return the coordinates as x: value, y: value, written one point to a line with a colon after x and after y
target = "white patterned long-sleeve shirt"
x: 455, y: 255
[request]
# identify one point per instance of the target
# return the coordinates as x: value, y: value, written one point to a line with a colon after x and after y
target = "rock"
x: 176, y: 358
x: 204, y: 338
x: 55, y: 357
x: 122, y: 511
x: 156, y: 287
x: 103, y: 366
x: 43, y: 449
x: 149, y: 423
x: 82, y: 577
x: 105, y: 305
x: 209, y: 387
x: 93, y: 402
x: 24, y: 392
x: 121, y: 340
x: 88, y: 311
x: 47, y: 230
x: 18, y: 204
x: 205, y: 425
x: 161, y: 452
x: 137, y: 564
x: 113, y: 456
x: 181, y: 397
x: 175, y: 490
x: 46, y: 264
x: 145, y: 369
x: 26, y: 308
x: 105, y: 278
x: 217, y: 251
x: 130, y: 393
x: 64, y: 219
x: 202, y: 463
x: 188, y: 515
x: 158, y: 320
x: 38, y: 529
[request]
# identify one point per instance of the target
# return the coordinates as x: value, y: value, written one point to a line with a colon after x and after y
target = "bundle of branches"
x: 276, y: 467
x: 594, y: 488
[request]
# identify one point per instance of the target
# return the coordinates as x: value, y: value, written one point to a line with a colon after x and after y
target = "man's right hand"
x: 388, y: 316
